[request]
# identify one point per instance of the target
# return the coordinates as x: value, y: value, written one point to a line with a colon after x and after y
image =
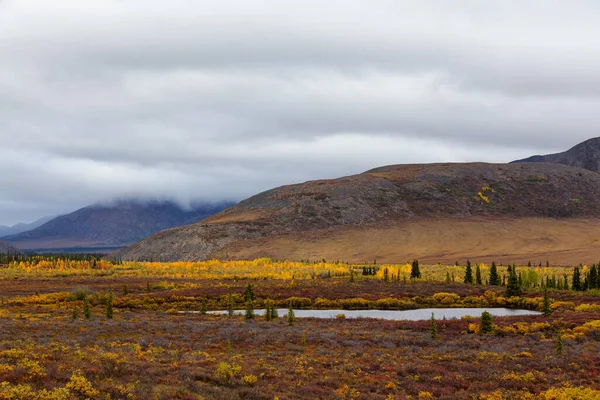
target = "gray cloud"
x: 221, y: 99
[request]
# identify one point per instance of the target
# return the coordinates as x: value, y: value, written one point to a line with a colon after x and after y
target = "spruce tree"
x: 433, y: 327
x: 546, y: 307
x: 468, y: 273
x: 559, y: 343
x: 203, y: 307
x: 268, y: 306
x: 274, y: 313
x: 249, y: 293
x: 415, y: 273
x: 576, y: 285
x: 109, y: 306
x: 291, y: 316
x: 485, y: 325
x: 513, y: 289
x: 593, y: 282
x: 249, y: 310
x: 447, y: 277
x: 478, y: 275
x: 494, y: 278
x: 230, y: 311
x: 86, y: 308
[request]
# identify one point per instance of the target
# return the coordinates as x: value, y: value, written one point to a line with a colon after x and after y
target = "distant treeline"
x: 7, y: 258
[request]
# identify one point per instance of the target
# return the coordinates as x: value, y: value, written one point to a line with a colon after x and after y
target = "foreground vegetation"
x: 85, y: 328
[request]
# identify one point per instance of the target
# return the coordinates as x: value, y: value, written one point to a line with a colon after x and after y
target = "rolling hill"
x: 436, y: 212
x: 111, y: 225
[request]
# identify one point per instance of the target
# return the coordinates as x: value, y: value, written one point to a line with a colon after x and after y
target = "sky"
x: 210, y: 100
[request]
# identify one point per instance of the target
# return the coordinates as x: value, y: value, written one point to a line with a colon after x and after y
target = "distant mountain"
x: 7, y: 248
x: 22, y: 227
x: 109, y: 225
x: 434, y: 212
x: 584, y: 155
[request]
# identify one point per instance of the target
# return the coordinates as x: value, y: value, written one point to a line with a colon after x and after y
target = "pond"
x: 394, y: 315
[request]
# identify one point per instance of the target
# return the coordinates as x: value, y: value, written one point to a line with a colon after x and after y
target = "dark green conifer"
x: 415, y: 273
x: 432, y: 327
x: 546, y: 305
x: 485, y: 325
x: 478, y: 275
x: 468, y: 273
x: 494, y: 278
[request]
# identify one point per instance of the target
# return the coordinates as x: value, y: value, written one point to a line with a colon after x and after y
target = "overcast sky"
x: 222, y: 99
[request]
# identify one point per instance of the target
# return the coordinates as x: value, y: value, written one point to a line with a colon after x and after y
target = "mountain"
x: 111, y: 225
x: 7, y: 248
x: 434, y: 212
x: 584, y: 155
x: 22, y: 227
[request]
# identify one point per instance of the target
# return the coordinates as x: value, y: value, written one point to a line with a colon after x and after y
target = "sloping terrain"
x: 396, y: 213
x: 7, y: 248
x: 121, y: 223
x: 23, y: 227
x: 584, y: 155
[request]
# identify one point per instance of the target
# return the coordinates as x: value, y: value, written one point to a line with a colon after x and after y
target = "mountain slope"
x: 23, y: 227
x: 347, y: 218
x: 121, y: 223
x: 584, y: 155
x: 7, y: 248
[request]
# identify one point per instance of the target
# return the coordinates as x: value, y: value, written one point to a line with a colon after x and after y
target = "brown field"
x: 560, y: 241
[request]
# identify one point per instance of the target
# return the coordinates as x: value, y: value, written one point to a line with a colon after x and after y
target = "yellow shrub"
x: 446, y: 298
x: 588, y: 308
x: 80, y: 385
x: 570, y: 393
x: 250, y: 380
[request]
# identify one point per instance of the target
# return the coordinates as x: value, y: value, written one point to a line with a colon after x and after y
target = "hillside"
x: 440, y: 212
x: 117, y: 224
x: 22, y: 227
x: 584, y: 155
x: 7, y: 248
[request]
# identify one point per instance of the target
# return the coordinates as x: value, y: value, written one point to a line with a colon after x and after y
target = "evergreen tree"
x: 485, y: 325
x: 109, y: 306
x: 478, y: 275
x: 86, y: 308
x: 386, y: 276
x: 576, y: 285
x: 447, y: 277
x: 230, y: 311
x: 415, y: 273
x: 593, y: 282
x: 468, y: 273
x: 75, y: 313
x: 432, y: 327
x: 249, y: 293
x: 559, y: 343
x: 249, y: 310
x: 291, y: 316
x: 566, y: 283
x: 274, y: 314
x: 125, y: 290
x: 203, y: 307
x: 546, y: 307
x: 513, y: 288
x: 494, y: 278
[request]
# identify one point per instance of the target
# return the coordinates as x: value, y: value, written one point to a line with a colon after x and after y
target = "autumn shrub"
x: 250, y: 380
x: 446, y: 298
x: 570, y: 393
x: 81, y: 387
x: 588, y: 308
x: 227, y: 371
x: 356, y: 303
x: 297, y: 302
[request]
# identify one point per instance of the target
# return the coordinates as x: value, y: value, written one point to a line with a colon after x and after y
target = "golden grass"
x: 562, y: 242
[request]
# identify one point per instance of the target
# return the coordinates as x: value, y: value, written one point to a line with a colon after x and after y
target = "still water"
x: 393, y: 315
